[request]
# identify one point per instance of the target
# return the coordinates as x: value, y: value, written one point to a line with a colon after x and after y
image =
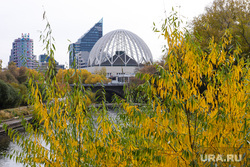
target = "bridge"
x: 112, y: 88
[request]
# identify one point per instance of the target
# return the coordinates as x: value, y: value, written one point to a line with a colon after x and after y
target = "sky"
x: 70, y: 19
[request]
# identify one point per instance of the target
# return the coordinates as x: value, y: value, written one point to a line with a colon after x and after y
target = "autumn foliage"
x: 221, y: 15
x: 73, y: 76
x: 199, y: 104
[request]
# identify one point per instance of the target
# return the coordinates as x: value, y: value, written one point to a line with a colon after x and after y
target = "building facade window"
x: 84, y: 45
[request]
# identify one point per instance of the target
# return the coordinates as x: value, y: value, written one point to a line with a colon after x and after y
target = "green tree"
x: 23, y: 93
x: 134, y: 91
x: 8, y: 77
x: 9, y: 96
x: 13, y: 69
x: 222, y: 15
x: 22, y: 75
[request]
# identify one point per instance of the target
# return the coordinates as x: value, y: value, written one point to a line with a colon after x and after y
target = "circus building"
x: 121, y: 53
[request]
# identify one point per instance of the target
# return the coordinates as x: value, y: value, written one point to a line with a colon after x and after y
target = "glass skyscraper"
x: 44, y: 63
x: 22, y: 52
x: 44, y: 58
x: 79, y: 51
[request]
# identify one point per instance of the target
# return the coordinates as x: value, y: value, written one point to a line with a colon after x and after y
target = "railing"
x: 99, y: 84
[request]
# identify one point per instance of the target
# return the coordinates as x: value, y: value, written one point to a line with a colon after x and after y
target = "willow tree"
x: 179, y: 125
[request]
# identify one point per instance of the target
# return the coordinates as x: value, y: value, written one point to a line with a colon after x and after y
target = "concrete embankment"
x: 13, y: 123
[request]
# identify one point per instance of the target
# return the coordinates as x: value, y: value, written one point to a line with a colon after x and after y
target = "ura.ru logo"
x: 221, y: 158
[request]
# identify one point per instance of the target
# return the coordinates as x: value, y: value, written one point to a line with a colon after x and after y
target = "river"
x: 7, y: 146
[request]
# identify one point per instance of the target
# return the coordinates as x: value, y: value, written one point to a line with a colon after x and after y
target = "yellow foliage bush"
x: 72, y: 75
x: 96, y: 78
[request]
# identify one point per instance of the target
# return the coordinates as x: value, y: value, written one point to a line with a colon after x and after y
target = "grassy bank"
x: 15, y: 112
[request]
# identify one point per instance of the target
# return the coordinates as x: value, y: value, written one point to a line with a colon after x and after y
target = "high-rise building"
x: 22, y: 52
x: 44, y: 63
x: 43, y: 58
x: 79, y: 51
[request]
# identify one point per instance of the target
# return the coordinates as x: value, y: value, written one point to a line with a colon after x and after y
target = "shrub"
x: 23, y: 92
x: 96, y: 78
x: 9, y: 96
x: 22, y: 76
x: 8, y: 77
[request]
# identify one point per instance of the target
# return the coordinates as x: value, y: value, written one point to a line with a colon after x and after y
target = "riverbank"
x: 11, y: 113
x: 12, y: 117
x: 14, y: 123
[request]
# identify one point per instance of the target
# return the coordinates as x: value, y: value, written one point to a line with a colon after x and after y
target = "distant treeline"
x: 14, y: 87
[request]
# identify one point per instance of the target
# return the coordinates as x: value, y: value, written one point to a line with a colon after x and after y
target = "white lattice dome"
x: 120, y: 48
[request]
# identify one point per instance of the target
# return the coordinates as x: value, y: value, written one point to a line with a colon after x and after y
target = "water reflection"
x: 7, y: 146
x: 4, y: 143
